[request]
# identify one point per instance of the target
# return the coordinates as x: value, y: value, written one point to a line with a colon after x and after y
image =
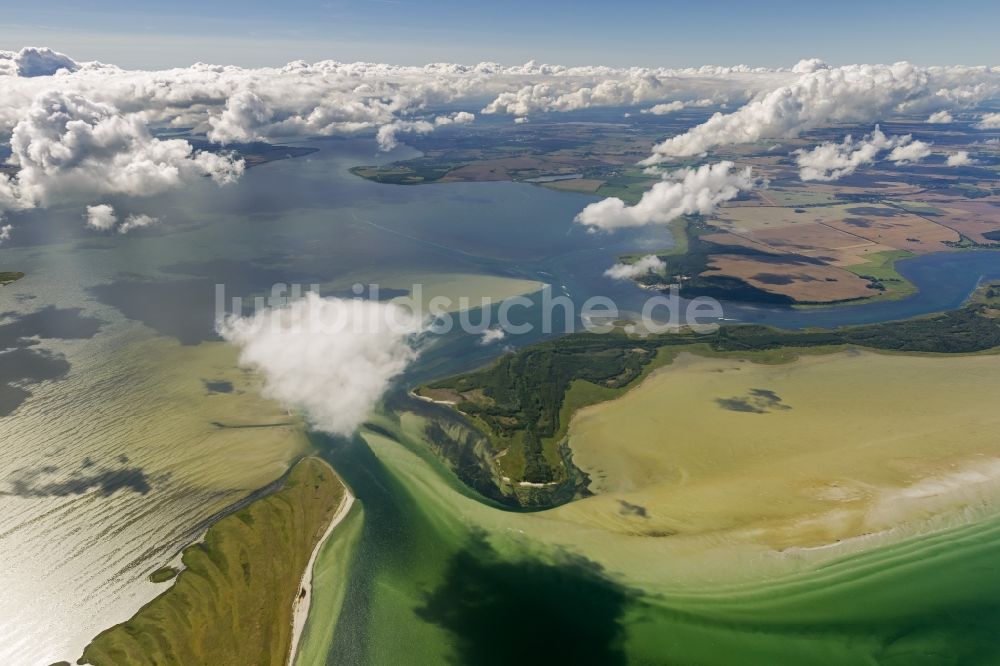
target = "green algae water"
x: 438, y: 576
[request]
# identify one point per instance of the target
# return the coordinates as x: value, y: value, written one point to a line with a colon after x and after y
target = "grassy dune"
x: 232, y: 603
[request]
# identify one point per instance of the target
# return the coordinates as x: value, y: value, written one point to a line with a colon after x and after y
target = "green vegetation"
x: 628, y: 185
x: 678, y: 230
x: 972, y: 192
x: 519, y: 398
x: 411, y: 172
x: 162, y: 575
x: 880, y: 271
x: 9, y: 276
x: 987, y: 293
x: 232, y: 603
x: 523, y: 402
x: 918, y: 207
x: 582, y: 393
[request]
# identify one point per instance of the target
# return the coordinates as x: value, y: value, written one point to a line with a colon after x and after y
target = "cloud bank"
x: 681, y: 192
x: 853, y: 93
x: 69, y: 147
x: 331, y: 358
x: 562, y: 89
x: 82, y: 130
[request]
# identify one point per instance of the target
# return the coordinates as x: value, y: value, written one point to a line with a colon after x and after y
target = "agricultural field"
x: 788, y: 275
x: 852, y: 231
x: 832, y: 242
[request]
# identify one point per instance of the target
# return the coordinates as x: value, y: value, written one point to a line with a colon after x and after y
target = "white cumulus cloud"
x: 681, y: 192
x: 33, y: 61
x: 940, y: 117
x: 809, y: 65
x: 960, y: 158
x: 664, y: 109
x: 909, y: 152
x: 989, y: 121
x: 492, y: 335
x: 242, y: 119
x: 386, y: 135
x: 331, y: 358
x: 645, y: 265
x: 101, y: 217
x: 677, y: 105
x: 830, y: 161
x: 69, y: 146
x: 139, y: 221
x: 459, y: 118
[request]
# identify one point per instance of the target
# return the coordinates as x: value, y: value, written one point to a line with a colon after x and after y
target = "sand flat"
x: 805, y: 454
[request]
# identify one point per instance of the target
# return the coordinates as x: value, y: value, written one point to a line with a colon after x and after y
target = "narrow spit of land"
x: 232, y: 603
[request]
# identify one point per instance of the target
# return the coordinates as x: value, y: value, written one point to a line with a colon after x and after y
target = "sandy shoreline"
x: 300, y: 607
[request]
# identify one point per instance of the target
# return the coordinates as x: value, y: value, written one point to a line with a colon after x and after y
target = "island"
x: 8, y: 277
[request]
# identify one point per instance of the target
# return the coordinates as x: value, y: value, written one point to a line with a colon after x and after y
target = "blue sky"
x: 667, y: 33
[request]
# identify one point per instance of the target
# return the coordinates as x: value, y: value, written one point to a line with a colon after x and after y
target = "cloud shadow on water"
x: 185, y: 308
x: 504, y: 612
x: 218, y: 386
x: 49, y: 322
x: 48, y: 482
x: 23, y: 363
x: 757, y: 401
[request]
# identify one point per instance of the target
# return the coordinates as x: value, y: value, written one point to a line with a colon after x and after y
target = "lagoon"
x: 139, y: 405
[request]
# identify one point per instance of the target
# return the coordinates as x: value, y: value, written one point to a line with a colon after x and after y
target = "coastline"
x: 224, y: 606
x: 300, y: 607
